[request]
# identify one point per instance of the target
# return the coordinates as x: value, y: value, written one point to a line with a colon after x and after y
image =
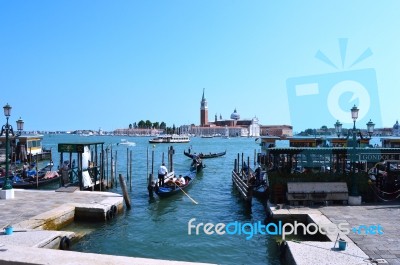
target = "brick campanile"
x: 203, y: 111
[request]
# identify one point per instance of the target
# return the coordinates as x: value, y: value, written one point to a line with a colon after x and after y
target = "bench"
x: 311, y: 192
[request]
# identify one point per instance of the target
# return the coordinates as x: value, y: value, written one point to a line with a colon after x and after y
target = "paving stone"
x: 385, y: 214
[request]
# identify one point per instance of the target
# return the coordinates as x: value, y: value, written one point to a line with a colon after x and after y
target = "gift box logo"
x: 318, y: 100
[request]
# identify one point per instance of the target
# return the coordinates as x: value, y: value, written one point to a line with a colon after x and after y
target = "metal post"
x: 7, y: 183
x: 354, y: 188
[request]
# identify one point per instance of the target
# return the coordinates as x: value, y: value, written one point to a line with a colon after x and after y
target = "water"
x: 159, y: 228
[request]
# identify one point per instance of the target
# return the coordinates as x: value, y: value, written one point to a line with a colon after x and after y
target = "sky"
x: 73, y: 64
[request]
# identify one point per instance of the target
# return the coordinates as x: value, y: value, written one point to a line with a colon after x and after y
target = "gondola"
x: 203, y: 156
x: 172, y: 187
x: 31, y: 182
x: 197, y: 164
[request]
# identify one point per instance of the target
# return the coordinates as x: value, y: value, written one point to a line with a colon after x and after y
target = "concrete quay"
x: 38, y: 217
x: 365, y: 245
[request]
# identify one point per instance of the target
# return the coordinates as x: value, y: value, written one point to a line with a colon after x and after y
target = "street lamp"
x: 7, y: 129
x: 370, y: 128
x: 353, y: 155
x: 338, y: 128
x: 354, y: 188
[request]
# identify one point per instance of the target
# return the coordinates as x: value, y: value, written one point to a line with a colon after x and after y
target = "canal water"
x: 158, y: 228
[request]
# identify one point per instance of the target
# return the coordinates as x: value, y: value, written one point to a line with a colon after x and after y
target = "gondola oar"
x: 186, y: 194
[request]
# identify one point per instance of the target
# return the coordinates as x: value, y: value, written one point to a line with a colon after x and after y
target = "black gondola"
x: 171, y: 186
x: 203, y: 156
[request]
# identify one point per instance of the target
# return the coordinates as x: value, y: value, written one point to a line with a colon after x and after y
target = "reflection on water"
x: 157, y: 228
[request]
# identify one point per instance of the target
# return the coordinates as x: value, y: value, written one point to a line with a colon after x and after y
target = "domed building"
x: 235, y: 116
x: 235, y: 126
x: 396, y: 129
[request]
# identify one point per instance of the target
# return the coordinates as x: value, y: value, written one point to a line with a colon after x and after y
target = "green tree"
x: 163, y: 125
x: 156, y: 125
x: 142, y: 124
x: 309, y: 131
x: 148, y: 124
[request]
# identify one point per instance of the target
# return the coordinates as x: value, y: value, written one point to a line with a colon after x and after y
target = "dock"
x: 38, y: 218
x: 363, y: 247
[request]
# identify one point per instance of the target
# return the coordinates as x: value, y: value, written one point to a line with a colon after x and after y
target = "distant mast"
x: 203, y: 111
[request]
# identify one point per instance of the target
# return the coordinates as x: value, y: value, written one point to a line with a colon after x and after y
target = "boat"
x: 203, y: 156
x: 126, y: 142
x: 45, y: 176
x: 197, y: 164
x: 257, y: 180
x: 170, y: 138
x: 172, y: 186
x: 26, y: 148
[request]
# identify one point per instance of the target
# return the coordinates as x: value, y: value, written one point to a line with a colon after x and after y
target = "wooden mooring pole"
x: 130, y: 171
x: 125, y: 192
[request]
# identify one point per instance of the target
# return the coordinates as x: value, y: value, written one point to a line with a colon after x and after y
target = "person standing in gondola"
x: 162, y: 173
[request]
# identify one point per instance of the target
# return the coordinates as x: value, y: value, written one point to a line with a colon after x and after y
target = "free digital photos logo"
x: 322, y: 99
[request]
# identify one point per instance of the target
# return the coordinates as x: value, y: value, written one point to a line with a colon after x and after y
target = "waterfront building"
x: 235, y: 126
x: 276, y: 130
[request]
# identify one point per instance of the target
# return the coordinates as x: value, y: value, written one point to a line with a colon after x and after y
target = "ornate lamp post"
x: 354, y: 188
x: 338, y: 128
x: 353, y: 154
x: 370, y: 128
x: 7, y: 129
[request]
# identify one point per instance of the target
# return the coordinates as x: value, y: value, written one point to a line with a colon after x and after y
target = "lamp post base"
x: 7, y: 194
x: 354, y: 200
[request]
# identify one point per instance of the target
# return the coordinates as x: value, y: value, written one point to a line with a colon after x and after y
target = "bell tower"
x: 203, y: 111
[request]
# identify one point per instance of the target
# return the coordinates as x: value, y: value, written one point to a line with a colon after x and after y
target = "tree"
x: 141, y: 124
x: 130, y: 126
x: 309, y: 131
x: 148, y: 124
x: 163, y: 125
x: 156, y: 125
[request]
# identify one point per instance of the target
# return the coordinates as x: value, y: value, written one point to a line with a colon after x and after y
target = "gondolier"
x: 162, y: 172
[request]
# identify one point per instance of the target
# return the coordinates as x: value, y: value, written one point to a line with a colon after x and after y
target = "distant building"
x: 277, y: 130
x: 396, y: 129
x: 234, y: 126
x: 203, y: 111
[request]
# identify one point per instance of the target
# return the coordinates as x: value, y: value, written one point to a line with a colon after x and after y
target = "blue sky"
x: 67, y: 65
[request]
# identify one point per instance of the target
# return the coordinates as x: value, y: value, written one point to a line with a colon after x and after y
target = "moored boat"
x: 170, y: 138
x: 44, y: 177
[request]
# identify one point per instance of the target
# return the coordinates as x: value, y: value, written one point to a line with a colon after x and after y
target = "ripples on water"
x: 159, y: 228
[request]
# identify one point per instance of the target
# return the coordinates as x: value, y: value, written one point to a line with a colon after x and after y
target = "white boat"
x: 226, y: 135
x: 168, y: 138
x: 126, y: 142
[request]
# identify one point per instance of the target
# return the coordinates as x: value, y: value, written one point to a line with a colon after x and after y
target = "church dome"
x: 235, y: 115
x: 396, y: 126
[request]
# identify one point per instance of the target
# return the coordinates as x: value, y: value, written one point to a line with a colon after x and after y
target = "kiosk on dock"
x: 82, y: 165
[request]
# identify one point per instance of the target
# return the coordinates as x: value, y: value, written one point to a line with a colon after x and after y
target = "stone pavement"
x: 385, y: 246
x: 374, y: 218
x: 30, y: 208
x: 30, y: 203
